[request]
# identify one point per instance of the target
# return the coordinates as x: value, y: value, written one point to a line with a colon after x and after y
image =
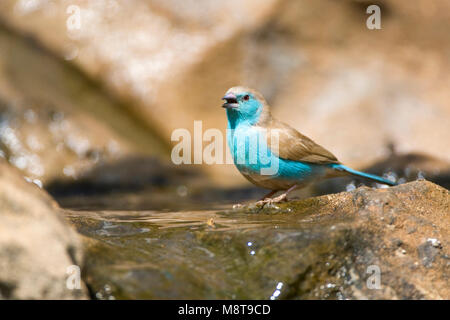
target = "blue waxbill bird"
x: 273, y: 155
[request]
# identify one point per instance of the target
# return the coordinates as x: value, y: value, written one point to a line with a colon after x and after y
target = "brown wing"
x: 295, y: 146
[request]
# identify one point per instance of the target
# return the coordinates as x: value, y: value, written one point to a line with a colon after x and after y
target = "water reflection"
x: 194, y: 220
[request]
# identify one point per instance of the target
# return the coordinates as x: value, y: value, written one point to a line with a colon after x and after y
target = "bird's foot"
x: 280, y: 198
x: 264, y: 202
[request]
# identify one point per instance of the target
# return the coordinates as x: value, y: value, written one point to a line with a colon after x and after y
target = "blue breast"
x: 251, y: 155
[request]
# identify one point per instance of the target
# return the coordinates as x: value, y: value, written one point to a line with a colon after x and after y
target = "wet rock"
x: 36, y: 245
x: 351, y: 245
x: 427, y: 253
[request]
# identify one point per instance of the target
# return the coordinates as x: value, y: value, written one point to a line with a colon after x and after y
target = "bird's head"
x: 245, y: 104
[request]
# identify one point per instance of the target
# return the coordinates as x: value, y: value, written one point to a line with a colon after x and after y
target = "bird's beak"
x: 231, y: 101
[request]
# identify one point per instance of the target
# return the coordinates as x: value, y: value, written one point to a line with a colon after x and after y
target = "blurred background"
x: 91, y: 91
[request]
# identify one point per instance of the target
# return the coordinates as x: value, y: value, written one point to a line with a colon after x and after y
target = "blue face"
x: 242, y: 107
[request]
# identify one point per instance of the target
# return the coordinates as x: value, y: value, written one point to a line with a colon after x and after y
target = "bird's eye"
x: 246, y: 97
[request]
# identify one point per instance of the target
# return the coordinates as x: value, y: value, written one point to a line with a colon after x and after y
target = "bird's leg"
x: 283, y: 196
x: 280, y: 198
x: 266, y: 198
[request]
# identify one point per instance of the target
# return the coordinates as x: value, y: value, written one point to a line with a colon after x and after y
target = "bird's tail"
x: 342, y: 168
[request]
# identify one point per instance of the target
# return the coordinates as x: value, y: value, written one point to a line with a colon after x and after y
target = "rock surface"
x: 36, y: 244
x: 328, y: 247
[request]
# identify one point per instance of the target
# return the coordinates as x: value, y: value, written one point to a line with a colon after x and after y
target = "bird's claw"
x: 264, y: 202
x: 280, y: 198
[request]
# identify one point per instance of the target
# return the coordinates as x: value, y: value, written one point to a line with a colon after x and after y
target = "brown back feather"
x: 295, y: 146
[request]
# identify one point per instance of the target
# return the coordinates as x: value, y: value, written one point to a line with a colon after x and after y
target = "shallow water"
x: 229, y: 254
